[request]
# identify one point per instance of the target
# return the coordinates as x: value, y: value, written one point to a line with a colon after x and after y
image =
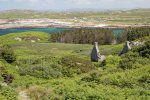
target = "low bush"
x: 8, y: 93
x: 136, y: 33
x: 72, y: 62
x: 41, y: 71
x: 144, y: 79
x: 128, y: 60
x: 138, y: 57
x: 143, y: 50
x: 1, y: 78
x: 7, y: 53
x: 111, y: 62
x: 92, y: 77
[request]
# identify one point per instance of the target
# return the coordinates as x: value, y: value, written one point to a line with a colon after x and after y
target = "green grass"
x: 103, y: 82
x: 11, y: 38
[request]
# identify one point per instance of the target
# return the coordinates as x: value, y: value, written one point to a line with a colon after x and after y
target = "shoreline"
x: 111, y: 26
x: 58, y: 23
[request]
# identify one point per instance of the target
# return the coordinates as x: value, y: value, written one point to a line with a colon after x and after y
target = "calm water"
x: 48, y: 30
x: 117, y: 32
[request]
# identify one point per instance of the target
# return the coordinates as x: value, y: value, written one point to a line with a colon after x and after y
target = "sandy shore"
x: 36, y: 23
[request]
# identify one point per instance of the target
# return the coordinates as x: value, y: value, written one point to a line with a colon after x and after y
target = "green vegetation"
x: 144, y: 50
x: 7, y: 53
x: 7, y: 93
x: 136, y: 33
x: 84, y: 36
x: 59, y: 71
x: 23, y: 37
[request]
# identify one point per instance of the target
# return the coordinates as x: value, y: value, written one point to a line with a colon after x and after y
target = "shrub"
x: 128, y: 60
x: 8, y: 78
x: 1, y: 78
x: 92, y: 77
x: 41, y: 71
x: 144, y: 50
x: 71, y: 93
x: 137, y: 57
x: 144, y: 79
x: 7, y: 53
x: 111, y: 62
x: 8, y: 93
x: 79, y: 64
x: 139, y: 32
x: 119, y: 80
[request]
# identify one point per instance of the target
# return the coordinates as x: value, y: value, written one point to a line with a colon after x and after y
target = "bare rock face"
x: 137, y: 43
x: 126, y: 48
x: 95, y: 55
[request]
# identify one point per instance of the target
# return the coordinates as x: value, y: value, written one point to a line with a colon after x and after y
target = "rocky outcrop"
x: 137, y: 43
x: 95, y: 54
x: 126, y: 48
x: 129, y: 45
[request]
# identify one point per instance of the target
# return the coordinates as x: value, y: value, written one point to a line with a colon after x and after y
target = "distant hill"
x: 15, y: 13
x: 135, y: 16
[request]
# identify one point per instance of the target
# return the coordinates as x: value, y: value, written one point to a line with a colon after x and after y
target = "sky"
x: 73, y: 4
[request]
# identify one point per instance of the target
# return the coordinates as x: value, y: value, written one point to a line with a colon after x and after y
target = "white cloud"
x: 67, y: 4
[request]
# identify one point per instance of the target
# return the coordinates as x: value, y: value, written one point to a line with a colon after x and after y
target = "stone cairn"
x: 126, y: 48
x: 95, y: 55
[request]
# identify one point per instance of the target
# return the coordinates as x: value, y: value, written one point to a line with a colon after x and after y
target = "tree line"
x: 136, y: 33
x: 84, y: 36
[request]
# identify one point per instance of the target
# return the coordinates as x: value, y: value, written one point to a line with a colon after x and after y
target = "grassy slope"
x: 71, y: 87
x: 10, y: 38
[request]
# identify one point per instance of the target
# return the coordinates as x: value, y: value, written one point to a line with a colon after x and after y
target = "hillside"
x: 75, y: 19
x: 59, y: 71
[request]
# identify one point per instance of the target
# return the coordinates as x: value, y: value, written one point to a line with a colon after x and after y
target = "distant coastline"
x: 57, y: 23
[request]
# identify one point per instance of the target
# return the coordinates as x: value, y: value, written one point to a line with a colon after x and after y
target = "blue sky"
x: 73, y: 4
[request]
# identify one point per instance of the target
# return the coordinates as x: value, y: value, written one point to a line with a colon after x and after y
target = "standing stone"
x: 126, y: 48
x: 95, y: 55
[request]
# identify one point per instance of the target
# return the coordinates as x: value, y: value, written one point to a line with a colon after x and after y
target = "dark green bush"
x: 1, y: 78
x: 8, y: 78
x: 7, y: 53
x: 128, y: 60
x: 41, y: 71
x: 144, y: 50
x: 118, y: 81
x: 139, y: 32
x: 71, y: 93
x: 92, y: 77
x: 8, y: 93
x: 144, y: 79
x: 137, y: 57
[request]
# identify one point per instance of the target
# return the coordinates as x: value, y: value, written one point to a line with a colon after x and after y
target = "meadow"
x: 44, y: 70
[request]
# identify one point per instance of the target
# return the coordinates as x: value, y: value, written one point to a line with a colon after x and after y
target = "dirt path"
x: 23, y: 95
